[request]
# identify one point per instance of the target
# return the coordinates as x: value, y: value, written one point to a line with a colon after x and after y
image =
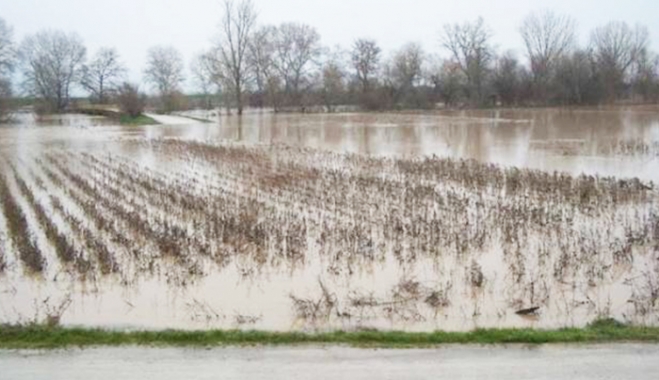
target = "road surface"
x: 628, y: 361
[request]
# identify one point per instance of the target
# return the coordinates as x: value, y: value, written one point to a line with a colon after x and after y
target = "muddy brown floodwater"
x: 416, y: 222
x: 610, y: 141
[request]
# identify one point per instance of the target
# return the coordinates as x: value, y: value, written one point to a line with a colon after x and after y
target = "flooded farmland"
x: 419, y: 222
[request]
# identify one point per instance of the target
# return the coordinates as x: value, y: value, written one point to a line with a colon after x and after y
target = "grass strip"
x: 122, y: 118
x: 44, y: 337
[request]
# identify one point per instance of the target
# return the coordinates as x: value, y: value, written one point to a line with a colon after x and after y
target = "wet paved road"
x: 627, y: 361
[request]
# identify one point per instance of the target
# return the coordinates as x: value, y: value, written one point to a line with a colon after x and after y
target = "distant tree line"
x: 7, y: 62
x: 285, y: 67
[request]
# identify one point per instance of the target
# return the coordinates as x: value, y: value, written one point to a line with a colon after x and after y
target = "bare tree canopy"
x: 130, y: 101
x: 547, y: 37
x: 506, y: 78
x: 103, y: 74
x: 7, y: 51
x: 52, y: 63
x: 333, y: 79
x: 406, y: 66
x: 5, y: 99
x: 164, y: 69
x: 469, y: 44
x: 261, y: 57
x: 202, y: 72
x: 285, y: 66
x: 201, y: 69
x: 365, y: 60
x: 448, y: 79
x: 7, y: 58
x: 645, y: 76
x: 576, y: 79
x: 616, y: 47
x: 296, y: 47
x: 403, y: 74
x: 236, y: 30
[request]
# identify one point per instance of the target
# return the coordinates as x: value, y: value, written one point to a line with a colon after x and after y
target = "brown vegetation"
x: 268, y: 208
x: 17, y: 229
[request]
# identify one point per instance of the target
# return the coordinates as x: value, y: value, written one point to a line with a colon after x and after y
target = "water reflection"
x: 578, y: 141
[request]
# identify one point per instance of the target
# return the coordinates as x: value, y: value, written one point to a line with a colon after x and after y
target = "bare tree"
x: 448, y: 80
x: 297, y: 47
x: 220, y: 78
x: 236, y: 31
x: 164, y: 71
x: 506, y: 79
x: 576, y: 79
x: 645, y: 76
x: 102, y: 76
x: 548, y: 37
x: 333, y: 85
x: 261, y: 60
x: 5, y: 100
x: 7, y: 58
x: 469, y: 44
x: 404, y: 73
x: 201, y: 68
x: 616, y: 47
x: 7, y: 49
x: 365, y: 60
x: 131, y: 101
x: 407, y: 65
x: 333, y: 80
x: 52, y: 63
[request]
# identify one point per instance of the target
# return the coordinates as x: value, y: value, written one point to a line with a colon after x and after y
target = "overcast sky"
x: 132, y: 26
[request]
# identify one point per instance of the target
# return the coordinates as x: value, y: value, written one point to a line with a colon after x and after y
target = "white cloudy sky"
x: 132, y: 26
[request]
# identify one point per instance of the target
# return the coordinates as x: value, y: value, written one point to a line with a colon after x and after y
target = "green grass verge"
x: 42, y: 337
x: 136, y: 121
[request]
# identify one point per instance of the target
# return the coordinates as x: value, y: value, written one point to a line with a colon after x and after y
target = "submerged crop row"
x: 268, y: 209
x: 17, y: 227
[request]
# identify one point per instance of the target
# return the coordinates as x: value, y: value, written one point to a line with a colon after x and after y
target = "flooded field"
x: 451, y: 221
x: 610, y: 142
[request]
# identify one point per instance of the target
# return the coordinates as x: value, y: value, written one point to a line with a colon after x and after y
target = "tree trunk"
x: 101, y: 95
x: 239, y: 97
x: 240, y: 105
